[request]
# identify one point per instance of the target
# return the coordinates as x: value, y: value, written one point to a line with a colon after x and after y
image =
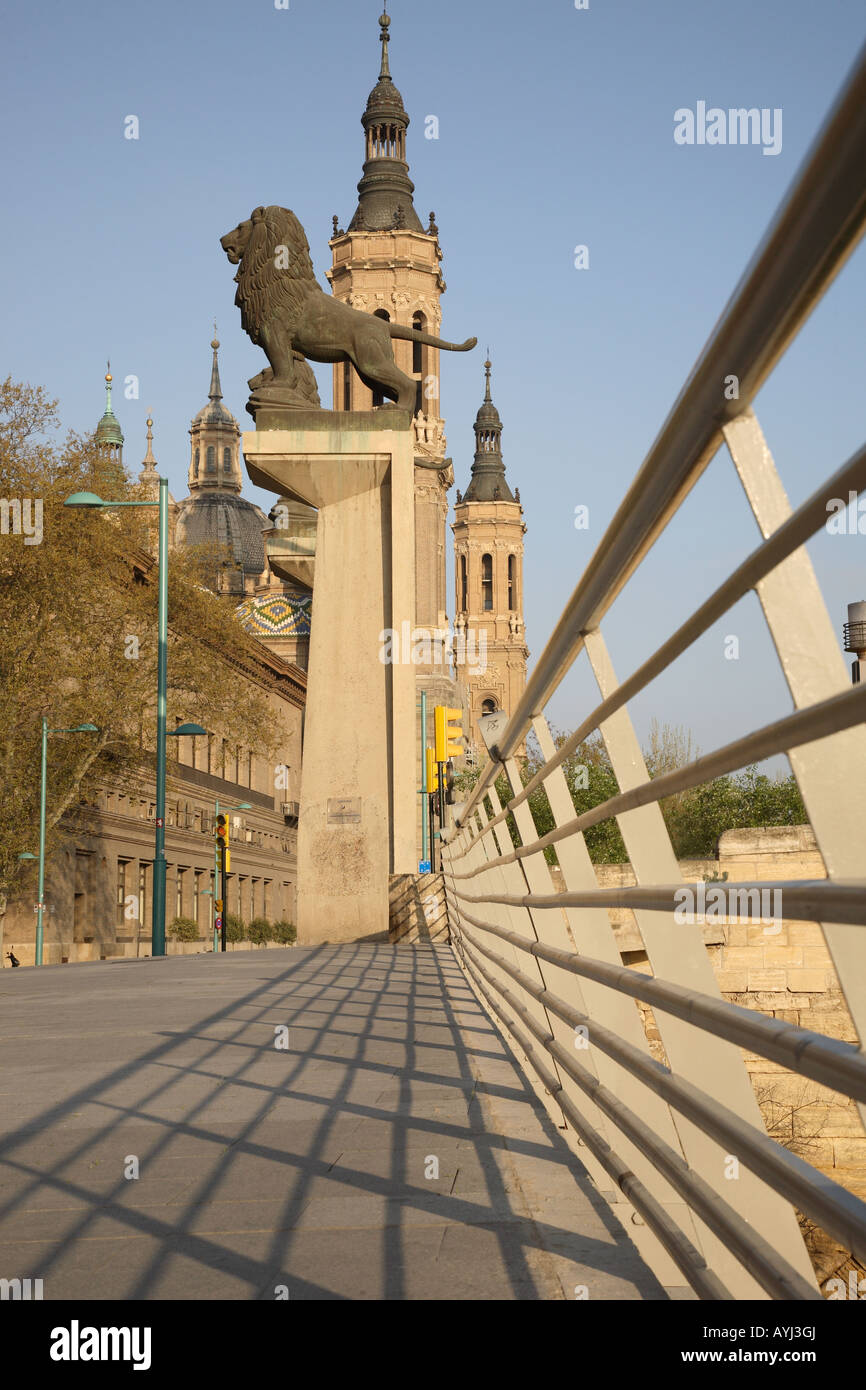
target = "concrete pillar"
x: 358, y: 781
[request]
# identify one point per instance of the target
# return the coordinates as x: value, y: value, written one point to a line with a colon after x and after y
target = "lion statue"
x: 286, y: 312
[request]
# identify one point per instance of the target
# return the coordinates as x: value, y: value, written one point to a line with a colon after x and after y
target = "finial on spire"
x: 487, y: 365
x: 215, y: 393
x: 384, y: 23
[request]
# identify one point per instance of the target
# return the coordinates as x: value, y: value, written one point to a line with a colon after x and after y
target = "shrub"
x: 284, y: 932
x: 235, y: 928
x: 183, y: 929
x: 260, y: 931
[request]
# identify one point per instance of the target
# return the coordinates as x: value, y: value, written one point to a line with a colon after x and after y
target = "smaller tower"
x: 488, y: 549
x: 149, y: 477
x: 148, y: 481
x: 109, y: 435
x: 214, y: 463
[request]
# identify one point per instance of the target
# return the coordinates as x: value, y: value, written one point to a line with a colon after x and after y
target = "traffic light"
x: 448, y: 728
x: 432, y: 771
x: 222, y: 832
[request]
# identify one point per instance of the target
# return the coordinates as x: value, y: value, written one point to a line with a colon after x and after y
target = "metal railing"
x: 682, y: 1141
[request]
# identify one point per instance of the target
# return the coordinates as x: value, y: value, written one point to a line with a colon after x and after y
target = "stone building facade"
x: 100, y: 883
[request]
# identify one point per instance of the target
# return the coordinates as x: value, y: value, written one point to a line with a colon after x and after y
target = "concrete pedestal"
x: 357, y: 818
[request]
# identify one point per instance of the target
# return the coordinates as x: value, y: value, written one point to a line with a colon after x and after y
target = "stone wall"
x: 785, y: 974
x: 417, y: 910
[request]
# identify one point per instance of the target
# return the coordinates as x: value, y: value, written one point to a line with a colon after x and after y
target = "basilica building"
x: 387, y: 261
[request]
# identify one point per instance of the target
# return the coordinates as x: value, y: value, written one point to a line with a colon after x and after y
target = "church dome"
x: 226, y: 520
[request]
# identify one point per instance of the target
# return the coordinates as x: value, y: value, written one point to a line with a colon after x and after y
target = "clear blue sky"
x: 556, y: 128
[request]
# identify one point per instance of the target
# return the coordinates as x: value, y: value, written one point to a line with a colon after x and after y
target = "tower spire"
x: 149, y: 461
x: 215, y: 393
x: 385, y: 202
x: 384, y: 24
x: 149, y: 476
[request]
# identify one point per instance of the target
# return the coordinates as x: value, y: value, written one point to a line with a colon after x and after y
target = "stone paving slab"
x: 394, y: 1150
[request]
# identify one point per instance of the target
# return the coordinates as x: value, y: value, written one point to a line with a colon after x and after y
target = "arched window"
x: 488, y: 707
x: 378, y: 396
x: 195, y: 469
x: 464, y: 592
x: 227, y: 460
x: 487, y: 583
x: 512, y: 582
x: 210, y: 465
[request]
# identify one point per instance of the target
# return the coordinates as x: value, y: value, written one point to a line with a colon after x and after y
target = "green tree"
x: 78, y: 635
x: 695, y: 818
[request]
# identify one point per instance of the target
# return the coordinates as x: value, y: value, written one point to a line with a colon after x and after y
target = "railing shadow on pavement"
x: 241, y: 1146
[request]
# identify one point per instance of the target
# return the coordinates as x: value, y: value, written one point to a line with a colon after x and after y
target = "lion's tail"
x: 414, y: 335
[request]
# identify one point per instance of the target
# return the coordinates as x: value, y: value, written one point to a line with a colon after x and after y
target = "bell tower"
x: 388, y: 263
x: 488, y: 550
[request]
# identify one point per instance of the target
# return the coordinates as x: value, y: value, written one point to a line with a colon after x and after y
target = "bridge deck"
x: 307, y: 1167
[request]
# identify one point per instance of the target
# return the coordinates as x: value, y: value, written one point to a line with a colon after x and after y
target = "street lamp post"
x: 89, y: 499
x: 43, y: 788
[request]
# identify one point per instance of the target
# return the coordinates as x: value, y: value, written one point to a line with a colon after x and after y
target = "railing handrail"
x: 830, y: 1062
x: 830, y: 1205
x: 808, y: 241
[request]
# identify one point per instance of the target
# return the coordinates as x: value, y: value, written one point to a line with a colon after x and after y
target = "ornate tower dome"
x: 109, y: 435
x: 385, y: 189
x: 215, y: 513
x: 488, y: 482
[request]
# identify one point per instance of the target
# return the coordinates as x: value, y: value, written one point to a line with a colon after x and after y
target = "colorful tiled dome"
x: 276, y: 615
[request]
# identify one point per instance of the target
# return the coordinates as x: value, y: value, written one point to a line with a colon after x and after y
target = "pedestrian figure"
x: 14, y: 959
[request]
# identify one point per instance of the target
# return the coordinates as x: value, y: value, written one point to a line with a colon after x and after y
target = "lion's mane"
x: 264, y: 290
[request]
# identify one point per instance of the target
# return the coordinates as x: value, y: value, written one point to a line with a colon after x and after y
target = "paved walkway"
x: 392, y: 1151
